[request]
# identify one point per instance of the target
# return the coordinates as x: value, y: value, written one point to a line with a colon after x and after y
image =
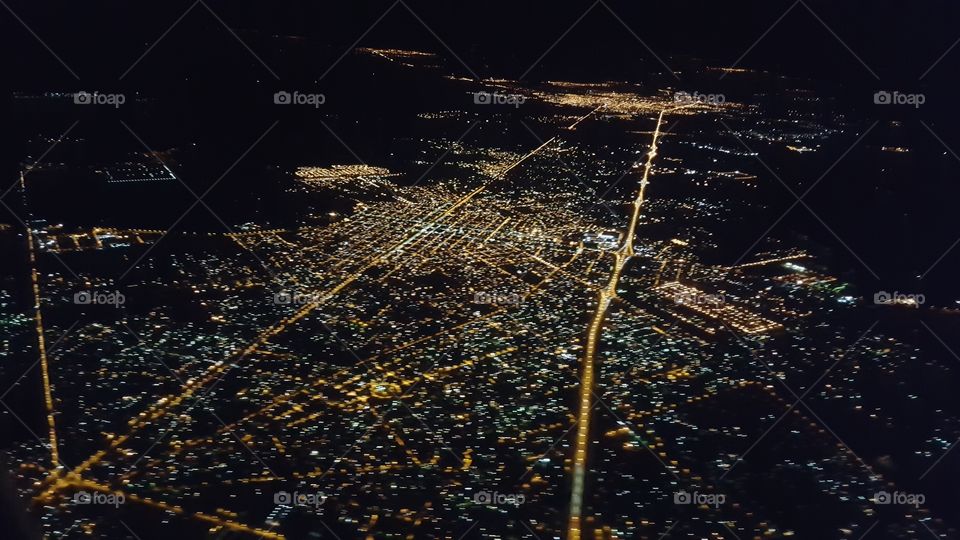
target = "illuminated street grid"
x: 458, y: 337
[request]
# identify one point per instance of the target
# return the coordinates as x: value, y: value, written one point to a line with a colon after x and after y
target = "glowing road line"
x: 495, y: 231
x: 573, y: 126
x: 41, y: 343
x: 582, y: 440
x: 769, y: 261
x: 44, y: 364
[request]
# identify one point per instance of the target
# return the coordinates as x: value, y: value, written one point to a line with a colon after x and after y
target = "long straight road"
x: 582, y: 442
x: 41, y: 339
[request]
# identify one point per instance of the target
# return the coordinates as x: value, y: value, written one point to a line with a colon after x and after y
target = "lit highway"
x: 607, y: 294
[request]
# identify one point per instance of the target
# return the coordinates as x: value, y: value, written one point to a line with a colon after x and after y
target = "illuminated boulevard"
x: 623, y: 254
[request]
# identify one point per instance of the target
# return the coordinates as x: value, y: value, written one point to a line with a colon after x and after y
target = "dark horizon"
x: 852, y: 42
